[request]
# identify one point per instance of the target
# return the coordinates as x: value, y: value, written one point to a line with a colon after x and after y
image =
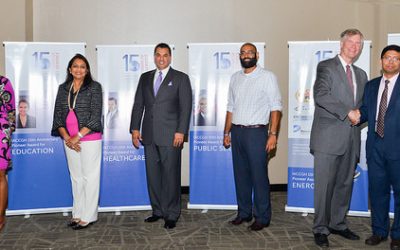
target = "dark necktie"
x: 350, y: 78
x: 380, y: 125
x: 157, y: 84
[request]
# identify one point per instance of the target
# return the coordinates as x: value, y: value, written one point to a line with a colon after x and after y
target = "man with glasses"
x: 381, y: 109
x: 252, y: 118
x: 335, y: 141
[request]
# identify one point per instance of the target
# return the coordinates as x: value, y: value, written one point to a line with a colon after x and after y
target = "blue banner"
x: 210, y: 166
x: 123, y: 175
x: 301, y: 189
x: 39, y: 177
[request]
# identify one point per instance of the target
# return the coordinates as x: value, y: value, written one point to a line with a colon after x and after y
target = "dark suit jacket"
x: 331, y: 129
x: 30, y: 122
x: 165, y: 114
x: 112, y: 121
x: 199, y: 120
x: 392, y: 118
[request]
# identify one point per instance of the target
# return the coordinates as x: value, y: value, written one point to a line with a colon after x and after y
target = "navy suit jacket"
x: 166, y: 113
x: 392, y: 118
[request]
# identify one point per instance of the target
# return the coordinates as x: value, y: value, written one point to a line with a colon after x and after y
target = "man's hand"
x: 178, y: 139
x: 271, y: 143
x: 354, y: 116
x: 136, y: 138
x: 227, y: 141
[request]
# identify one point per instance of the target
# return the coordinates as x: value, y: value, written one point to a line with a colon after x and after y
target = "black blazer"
x: 30, y: 122
x: 88, y: 108
x: 165, y: 114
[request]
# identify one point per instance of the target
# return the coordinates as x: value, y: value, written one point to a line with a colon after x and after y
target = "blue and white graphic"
x: 123, y: 175
x: 39, y: 181
x: 211, y: 66
x: 303, y: 60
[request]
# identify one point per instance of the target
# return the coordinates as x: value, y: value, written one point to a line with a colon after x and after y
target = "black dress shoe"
x: 80, y: 226
x: 395, y: 245
x: 257, y: 226
x: 374, y: 240
x: 153, y: 218
x: 72, y: 223
x: 238, y: 220
x: 169, y: 224
x: 346, y: 233
x: 321, y: 240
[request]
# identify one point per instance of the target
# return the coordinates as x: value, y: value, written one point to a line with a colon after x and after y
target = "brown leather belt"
x: 250, y: 126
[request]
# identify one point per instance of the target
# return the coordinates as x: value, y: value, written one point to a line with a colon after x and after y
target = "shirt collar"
x: 254, y: 72
x: 393, y: 79
x: 343, y: 62
x: 164, y: 71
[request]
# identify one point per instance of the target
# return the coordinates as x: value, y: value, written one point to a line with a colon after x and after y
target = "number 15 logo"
x: 222, y: 60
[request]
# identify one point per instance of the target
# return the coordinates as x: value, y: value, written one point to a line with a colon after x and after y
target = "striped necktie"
x: 380, y: 125
x: 157, y: 84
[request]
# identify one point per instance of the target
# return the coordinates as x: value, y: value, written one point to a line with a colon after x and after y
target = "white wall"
x: 179, y: 22
x: 12, y: 24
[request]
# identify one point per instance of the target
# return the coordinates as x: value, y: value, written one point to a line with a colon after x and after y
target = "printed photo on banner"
x: 112, y: 116
x: 204, y: 112
x: 25, y: 112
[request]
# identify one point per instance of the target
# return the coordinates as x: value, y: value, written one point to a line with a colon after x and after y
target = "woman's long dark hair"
x: 88, y: 77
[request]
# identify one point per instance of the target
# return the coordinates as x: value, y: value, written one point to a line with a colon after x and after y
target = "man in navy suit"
x: 381, y: 109
x: 164, y: 100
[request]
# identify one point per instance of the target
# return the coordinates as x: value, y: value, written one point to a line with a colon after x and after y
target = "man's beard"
x: 248, y: 63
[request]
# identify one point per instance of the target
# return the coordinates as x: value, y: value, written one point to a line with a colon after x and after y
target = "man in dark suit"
x: 164, y: 98
x: 204, y: 117
x: 335, y: 142
x: 381, y: 109
x: 112, y: 114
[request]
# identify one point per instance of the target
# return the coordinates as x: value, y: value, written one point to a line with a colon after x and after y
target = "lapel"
x: 342, y: 74
x: 167, y: 79
x: 374, y: 100
x: 359, y: 93
x: 394, y: 96
x: 151, y: 82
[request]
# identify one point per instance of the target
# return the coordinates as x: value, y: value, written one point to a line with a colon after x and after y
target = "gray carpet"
x: 196, y: 229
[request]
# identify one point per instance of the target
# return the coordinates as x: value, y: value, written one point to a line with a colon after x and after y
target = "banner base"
x: 66, y: 210
x: 124, y: 208
x: 306, y: 210
x: 39, y: 211
x: 211, y: 206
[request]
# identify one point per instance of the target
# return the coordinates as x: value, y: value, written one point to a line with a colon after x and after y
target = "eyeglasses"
x: 251, y: 53
x: 391, y: 59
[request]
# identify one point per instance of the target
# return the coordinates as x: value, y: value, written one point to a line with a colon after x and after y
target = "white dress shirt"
x: 253, y: 96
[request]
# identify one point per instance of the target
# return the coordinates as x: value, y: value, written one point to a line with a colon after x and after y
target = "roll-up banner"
x: 123, y: 176
x: 39, y: 180
x: 211, y: 66
x: 394, y: 39
x: 303, y: 60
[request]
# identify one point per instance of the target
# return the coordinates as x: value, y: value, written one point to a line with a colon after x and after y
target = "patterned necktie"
x: 380, y: 125
x: 157, y: 84
x: 350, y: 78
